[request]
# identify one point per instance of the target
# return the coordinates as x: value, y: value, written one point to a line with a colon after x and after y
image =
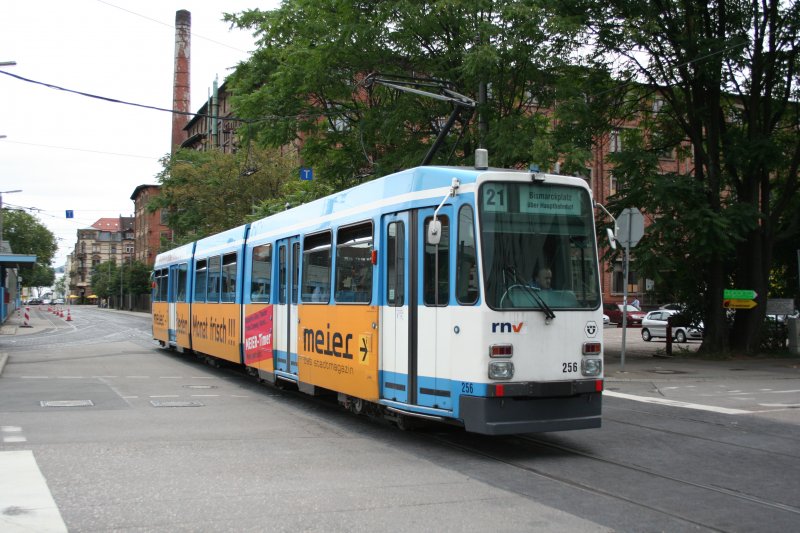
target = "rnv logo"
x: 507, y: 327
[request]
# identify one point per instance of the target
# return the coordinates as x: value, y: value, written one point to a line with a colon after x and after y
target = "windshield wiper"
x: 533, y: 292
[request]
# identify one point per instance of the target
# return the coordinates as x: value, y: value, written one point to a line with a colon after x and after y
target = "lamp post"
x: 1, y: 210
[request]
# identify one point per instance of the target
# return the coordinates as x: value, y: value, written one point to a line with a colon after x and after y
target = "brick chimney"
x: 180, y: 91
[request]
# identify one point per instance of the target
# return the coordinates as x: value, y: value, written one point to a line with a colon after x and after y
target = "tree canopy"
x: 27, y: 236
x: 713, y: 83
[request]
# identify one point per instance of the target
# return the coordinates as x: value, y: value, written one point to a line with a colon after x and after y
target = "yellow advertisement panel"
x: 337, y: 348
x: 182, y: 320
x: 216, y: 330
x: 161, y: 321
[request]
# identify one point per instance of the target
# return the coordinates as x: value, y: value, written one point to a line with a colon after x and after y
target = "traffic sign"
x: 630, y: 226
x: 739, y: 294
x: 738, y: 304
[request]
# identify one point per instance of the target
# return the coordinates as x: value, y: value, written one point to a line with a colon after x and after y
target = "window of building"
x: 261, y: 274
x: 354, y: 263
x: 615, y: 140
x: 317, y: 267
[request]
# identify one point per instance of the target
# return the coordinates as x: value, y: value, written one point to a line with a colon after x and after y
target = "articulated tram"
x: 412, y: 295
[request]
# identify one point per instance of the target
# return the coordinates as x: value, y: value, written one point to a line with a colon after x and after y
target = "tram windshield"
x: 538, y: 247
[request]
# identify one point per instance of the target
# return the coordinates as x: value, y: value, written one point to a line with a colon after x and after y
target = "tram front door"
x: 416, y: 285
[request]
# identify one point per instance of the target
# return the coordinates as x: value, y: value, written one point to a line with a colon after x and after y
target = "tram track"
x: 529, y: 446
x: 730, y: 427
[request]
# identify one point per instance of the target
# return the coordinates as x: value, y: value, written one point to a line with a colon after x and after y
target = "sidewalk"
x: 39, y: 319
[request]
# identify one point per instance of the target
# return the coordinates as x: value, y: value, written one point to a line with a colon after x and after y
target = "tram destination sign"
x: 739, y: 294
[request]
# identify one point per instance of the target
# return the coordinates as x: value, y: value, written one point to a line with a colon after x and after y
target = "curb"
x: 3, y: 359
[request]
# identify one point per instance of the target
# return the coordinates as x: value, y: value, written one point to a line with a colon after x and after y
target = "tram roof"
x: 417, y: 183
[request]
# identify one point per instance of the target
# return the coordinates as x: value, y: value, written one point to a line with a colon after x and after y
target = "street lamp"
x: 1, y: 211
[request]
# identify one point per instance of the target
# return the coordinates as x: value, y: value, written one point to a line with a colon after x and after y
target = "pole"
x: 625, y: 294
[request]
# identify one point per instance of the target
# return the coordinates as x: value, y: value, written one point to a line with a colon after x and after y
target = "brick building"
x: 149, y: 229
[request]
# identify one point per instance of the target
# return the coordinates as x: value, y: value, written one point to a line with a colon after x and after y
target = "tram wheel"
x: 357, y: 406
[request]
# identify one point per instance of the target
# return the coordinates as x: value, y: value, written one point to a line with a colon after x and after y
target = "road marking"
x: 166, y: 396
x: 13, y: 439
x: 675, y: 403
x: 10, y: 429
x: 170, y: 377
x: 25, y: 501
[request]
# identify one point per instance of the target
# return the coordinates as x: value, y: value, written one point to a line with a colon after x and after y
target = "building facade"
x: 108, y: 239
x: 149, y: 228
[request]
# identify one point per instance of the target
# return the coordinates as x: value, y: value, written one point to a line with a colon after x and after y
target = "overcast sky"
x: 67, y: 151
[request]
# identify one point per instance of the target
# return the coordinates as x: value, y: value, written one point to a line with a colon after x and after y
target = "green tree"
x: 26, y: 235
x: 727, y: 74
x: 305, y: 81
x: 105, y: 279
x: 207, y: 192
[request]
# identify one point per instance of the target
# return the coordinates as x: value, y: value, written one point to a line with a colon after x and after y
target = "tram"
x: 412, y: 295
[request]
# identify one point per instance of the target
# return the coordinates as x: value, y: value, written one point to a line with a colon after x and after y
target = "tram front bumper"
x: 530, y: 414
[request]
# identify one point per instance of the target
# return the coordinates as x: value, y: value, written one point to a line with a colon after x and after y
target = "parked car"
x: 33, y: 301
x: 673, y: 307
x: 614, y: 312
x: 654, y: 325
x: 58, y: 301
x: 606, y: 319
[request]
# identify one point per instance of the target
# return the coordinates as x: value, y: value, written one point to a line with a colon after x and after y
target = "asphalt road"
x: 127, y: 437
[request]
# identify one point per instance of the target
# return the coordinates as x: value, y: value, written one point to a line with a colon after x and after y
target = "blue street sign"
x: 70, y: 213
x: 306, y: 174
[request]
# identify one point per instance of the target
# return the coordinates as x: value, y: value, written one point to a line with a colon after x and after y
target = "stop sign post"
x: 630, y: 225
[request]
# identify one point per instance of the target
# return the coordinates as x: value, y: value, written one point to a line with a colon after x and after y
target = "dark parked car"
x: 33, y: 301
x: 614, y: 312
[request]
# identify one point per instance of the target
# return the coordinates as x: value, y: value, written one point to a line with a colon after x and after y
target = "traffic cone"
x: 69, y: 318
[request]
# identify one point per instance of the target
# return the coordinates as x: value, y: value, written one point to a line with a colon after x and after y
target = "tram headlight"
x: 591, y: 367
x: 501, y: 370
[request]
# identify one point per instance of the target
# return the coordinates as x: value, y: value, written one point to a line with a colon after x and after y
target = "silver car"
x: 654, y: 325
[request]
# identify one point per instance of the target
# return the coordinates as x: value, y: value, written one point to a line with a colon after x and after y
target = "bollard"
x: 27, y: 317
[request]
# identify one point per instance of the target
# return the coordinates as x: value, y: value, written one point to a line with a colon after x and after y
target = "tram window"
x: 354, y: 264
x: 261, y: 274
x: 317, y: 268
x: 436, y: 267
x: 395, y: 264
x: 183, y: 271
x: 200, y: 275
x: 282, y: 275
x: 214, y: 272
x: 164, y: 285
x: 295, y: 270
x: 158, y: 277
x: 466, y: 259
x: 229, y: 278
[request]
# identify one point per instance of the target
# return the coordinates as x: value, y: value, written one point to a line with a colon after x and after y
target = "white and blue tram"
x: 411, y: 295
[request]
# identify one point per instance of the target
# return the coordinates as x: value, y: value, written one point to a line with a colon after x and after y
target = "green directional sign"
x: 739, y: 294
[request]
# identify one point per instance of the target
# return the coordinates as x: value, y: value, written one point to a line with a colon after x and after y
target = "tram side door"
x: 396, y: 353
x: 286, y: 314
x: 172, y: 298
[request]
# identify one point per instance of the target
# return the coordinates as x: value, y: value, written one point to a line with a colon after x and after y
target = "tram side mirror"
x: 612, y: 241
x: 434, y: 232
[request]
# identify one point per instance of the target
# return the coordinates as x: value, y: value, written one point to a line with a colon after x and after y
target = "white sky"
x: 67, y: 151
